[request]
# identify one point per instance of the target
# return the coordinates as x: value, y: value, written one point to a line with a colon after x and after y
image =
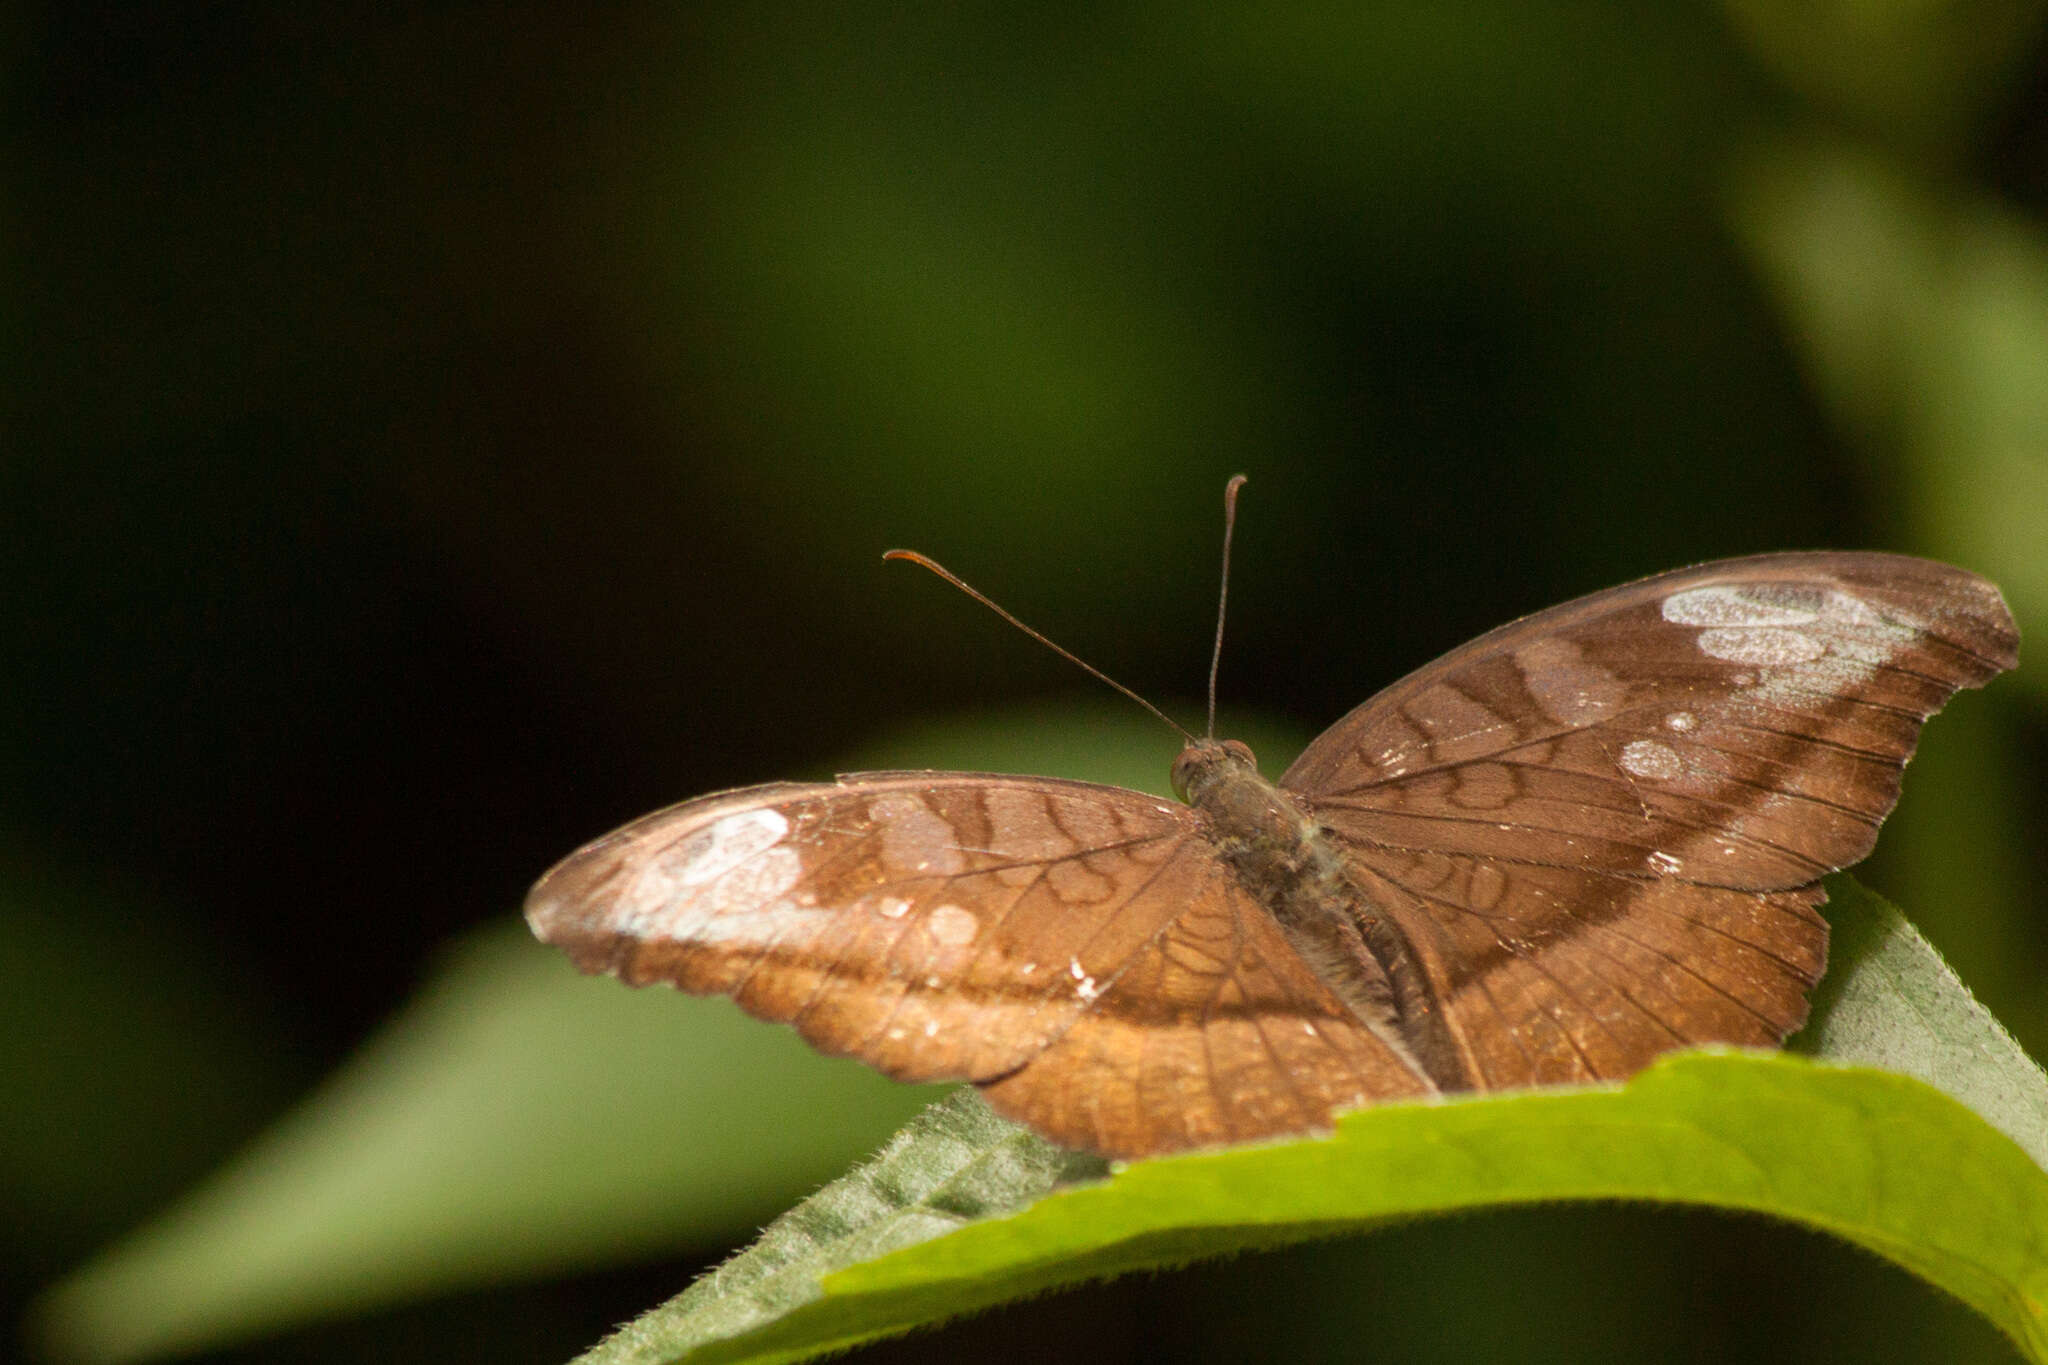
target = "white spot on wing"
x: 1681, y: 721
x: 1843, y: 610
x: 1664, y: 864
x: 952, y: 925
x: 893, y: 907
x: 1648, y: 758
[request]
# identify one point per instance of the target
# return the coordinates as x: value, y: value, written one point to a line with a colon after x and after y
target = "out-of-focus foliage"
x: 1921, y: 76
x: 599, y: 1124
x: 435, y: 438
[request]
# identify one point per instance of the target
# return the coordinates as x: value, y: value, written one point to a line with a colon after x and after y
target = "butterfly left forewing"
x: 936, y: 925
x: 1076, y: 950
x: 1599, y: 827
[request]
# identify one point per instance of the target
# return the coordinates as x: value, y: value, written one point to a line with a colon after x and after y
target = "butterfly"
x: 1589, y: 837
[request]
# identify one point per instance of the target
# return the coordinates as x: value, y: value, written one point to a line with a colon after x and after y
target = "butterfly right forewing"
x: 1600, y: 827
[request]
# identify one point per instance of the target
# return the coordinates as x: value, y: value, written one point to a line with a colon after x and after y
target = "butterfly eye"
x: 1183, y: 770
x: 1238, y: 749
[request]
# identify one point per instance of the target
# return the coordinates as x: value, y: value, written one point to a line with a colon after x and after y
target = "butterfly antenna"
x: 1223, y: 594
x: 925, y: 562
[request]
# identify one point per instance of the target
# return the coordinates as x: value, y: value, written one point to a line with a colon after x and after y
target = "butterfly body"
x: 1283, y: 855
x: 1263, y: 832
x: 1586, y: 838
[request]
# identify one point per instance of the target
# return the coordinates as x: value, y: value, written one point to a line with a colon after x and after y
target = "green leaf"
x: 1879, y: 1159
x: 957, y: 1163
x: 1889, y: 1001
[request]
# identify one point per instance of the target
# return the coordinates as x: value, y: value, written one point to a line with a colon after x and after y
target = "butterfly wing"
x: 1076, y: 950
x: 1599, y: 828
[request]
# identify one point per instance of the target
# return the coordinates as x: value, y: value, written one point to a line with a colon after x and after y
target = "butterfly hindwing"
x: 1215, y: 1031
x: 1548, y: 975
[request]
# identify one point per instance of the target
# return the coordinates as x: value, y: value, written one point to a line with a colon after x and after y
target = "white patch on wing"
x: 768, y: 877
x: 724, y: 844
x: 1843, y: 610
x: 1807, y: 641
x: 1860, y: 640
x: 1664, y: 864
x: 1681, y: 721
x: 748, y: 903
x: 1648, y: 758
x: 1732, y: 606
x: 1768, y: 646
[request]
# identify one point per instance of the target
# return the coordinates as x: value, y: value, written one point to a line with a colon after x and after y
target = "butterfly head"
x: 1205, y: 762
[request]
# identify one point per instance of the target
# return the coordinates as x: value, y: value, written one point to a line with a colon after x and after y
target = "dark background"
x: 435, y: 439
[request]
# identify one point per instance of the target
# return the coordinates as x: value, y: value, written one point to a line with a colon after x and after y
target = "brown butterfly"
x: 1586, y: 838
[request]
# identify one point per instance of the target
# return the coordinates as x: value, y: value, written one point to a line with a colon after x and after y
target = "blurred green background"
x: 434, y: 439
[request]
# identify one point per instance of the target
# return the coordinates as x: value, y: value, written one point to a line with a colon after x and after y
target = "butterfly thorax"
x: 1266, y: 835
x: 1278, y: 849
